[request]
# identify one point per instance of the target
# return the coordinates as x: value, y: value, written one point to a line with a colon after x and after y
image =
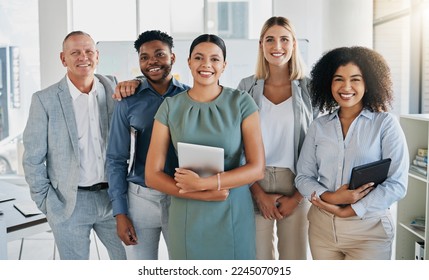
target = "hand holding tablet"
x: 204, y: 160
x: 375, y: 172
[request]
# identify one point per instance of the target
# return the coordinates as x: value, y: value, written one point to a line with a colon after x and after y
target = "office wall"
x: 348, y: 23
x: 351, y: 24
x: 307, y: 17
x: 53, y: 26
x: 329, y: 24
x: 120, y: 58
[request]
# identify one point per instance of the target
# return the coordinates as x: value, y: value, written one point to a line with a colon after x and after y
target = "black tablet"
x: 371, y: 172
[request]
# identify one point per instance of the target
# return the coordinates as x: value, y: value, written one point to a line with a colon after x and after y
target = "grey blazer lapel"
x: 257, y: 90
x: 298, y: 116
x: 106, y: 103
x: 102, y: 108
x: 66, y: 102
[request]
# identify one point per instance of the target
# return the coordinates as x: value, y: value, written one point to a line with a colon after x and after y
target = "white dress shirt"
x: 92, y: 149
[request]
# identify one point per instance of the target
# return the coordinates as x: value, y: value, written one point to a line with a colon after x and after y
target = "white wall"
x: 55, y: 21
x: 329, y: 24
x: 348, y: 23
x: 307, y: 18
x: 326, y: 24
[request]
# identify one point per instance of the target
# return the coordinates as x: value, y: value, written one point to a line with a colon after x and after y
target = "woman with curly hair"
x: 353, y: 85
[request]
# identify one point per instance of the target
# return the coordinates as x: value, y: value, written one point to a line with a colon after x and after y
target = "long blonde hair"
x: 296, y: 64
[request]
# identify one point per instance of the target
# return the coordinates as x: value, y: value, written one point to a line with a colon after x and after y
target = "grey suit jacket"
x: 51, y: 157
x: 301, y: 102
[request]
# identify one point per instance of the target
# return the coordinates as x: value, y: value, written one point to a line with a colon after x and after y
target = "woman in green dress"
x: 210, y: 217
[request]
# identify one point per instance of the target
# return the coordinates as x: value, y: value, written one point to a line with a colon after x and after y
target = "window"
x: 240, y: 19
x: 19, y: 72
x: 231, y: 18
x: 401, y: 36
x: 186, y: 19
x: 392, y: 40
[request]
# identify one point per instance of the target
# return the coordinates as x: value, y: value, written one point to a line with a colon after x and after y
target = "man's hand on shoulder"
x: 125, y: 89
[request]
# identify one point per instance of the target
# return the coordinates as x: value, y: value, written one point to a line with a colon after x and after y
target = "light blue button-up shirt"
x: 326, y: 159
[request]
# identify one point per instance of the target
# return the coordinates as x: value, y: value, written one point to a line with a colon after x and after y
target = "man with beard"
x: 141, y: 212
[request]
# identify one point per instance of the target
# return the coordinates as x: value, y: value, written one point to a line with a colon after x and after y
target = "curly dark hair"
x: 378, y: 95
x: 153, y: 35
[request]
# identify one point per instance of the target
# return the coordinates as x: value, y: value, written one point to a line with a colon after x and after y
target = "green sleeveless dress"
x: 203, y: 230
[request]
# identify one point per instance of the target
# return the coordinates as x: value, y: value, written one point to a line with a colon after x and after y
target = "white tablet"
x: 204, y: 160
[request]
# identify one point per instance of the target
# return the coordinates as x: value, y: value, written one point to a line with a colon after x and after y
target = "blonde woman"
x: 279, y: 88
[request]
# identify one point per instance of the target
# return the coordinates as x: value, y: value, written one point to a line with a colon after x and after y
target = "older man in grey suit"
x: 65, y: 148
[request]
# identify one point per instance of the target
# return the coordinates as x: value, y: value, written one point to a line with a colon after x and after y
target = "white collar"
x: 75, y: 92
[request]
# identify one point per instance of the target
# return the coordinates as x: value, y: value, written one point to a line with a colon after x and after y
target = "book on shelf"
x: 419, y: 222
x: 418, y: 169
x: 422, y: 152
x: 422, y: 158
x: 420, y: 163
x: 419, y: 250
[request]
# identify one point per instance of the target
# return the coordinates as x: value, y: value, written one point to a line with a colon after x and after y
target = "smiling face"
x: 277, y: 45
x: 80, y: 56
x: 206, y: 63
x: 156, y: 60
x: 348, y: 87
